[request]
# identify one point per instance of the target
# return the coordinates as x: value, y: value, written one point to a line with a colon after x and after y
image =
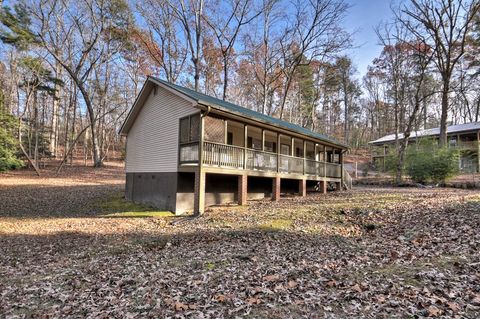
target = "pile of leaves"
x: 371, y: 252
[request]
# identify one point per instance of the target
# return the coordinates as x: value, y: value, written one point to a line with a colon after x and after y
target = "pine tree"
x: 8, y: 142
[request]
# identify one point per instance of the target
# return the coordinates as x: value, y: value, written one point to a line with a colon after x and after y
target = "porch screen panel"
x: 194, y: 128
x: 184, y: 130
x: 214, y: 130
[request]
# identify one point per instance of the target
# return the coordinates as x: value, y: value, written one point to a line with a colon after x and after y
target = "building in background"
x: 465, y: 137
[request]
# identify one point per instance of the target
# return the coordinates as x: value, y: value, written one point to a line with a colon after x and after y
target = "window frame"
x: 189, y: 139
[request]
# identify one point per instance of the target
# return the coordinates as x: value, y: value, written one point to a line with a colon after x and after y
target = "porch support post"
x: 338, y: 186
x: 278, y: 151
x: 292, y: 152
x: 242, y: 189
x: 199, y: 196
x: 263, y: 140
x: 225, y: 129
x: 245, y: 139
x: 323, y: 187
x: 478, y: 151
x: 276, y: 189
x: 340, y: 159
x: 199, y: 185
x: 324, y: 162
x: 302, y: 187
x: 304, y: 155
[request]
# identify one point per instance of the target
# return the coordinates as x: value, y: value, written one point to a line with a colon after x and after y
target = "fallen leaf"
x: 253, y: 301
x: 271, y: 278
x: 434, y: 311
x: 180, y: 306
x: 453, y: 306
x: 357, y: 288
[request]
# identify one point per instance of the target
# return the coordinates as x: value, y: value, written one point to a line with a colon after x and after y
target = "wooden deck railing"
x: 314, y: 168
x: 223, y: 155
x: 188, y: 153
x: 333, y: 170
x: 261, y: 161
x: 467, y: 145
x: 235, y: 157
x: 290, y: 164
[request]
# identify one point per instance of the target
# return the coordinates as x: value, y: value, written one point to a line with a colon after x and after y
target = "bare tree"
x: 444, y: 26
x: 264, y: 53
x: 90, y: 27
x: 314, y: 33
x: 161, y: 40
x: 421, y: 56
x: 190, y: 15
x: 226, y: 27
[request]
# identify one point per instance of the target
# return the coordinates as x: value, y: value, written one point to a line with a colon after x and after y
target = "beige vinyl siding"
x: 152, y: 142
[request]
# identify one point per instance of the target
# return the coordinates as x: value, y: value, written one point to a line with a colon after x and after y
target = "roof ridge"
x: 471, y: 126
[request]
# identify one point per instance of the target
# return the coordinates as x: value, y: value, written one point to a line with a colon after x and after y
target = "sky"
x: 362, y: 18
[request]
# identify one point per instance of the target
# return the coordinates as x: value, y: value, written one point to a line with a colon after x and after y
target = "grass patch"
x: 140, y: 214
x: 277, y: 224
x: 212, y: 265
x: 118, y: 206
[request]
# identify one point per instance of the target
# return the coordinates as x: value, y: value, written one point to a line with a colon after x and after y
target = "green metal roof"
x: 238, y: 110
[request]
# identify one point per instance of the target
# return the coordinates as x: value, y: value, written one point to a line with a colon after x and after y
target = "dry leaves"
x: 368, y: 253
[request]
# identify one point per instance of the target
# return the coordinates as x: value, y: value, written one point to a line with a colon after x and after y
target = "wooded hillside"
x: 70, y: 70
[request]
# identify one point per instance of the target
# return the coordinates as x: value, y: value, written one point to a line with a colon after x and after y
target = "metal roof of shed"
x: 474, y: 126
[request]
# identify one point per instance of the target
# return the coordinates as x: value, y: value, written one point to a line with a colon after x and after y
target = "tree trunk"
x: 345, y: 98
x: 196, y: 76
x: 225, y: 77
x: 54, y: 123
x: 443, y: 118
x: 36, y: 127
x: 97, y: 160
x: 285, y: 94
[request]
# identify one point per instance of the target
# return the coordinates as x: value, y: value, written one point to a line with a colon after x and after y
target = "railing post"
x: 278, y: 152
x: 199, y: 185
x: 341, y: 165
x: 304, y: 154
x: 324, y: 161
x: 478, y: 151
x: 245, y: 139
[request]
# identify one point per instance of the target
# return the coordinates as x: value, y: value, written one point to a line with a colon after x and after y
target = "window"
x: 453, y: 141
x: 285, y: 149
x: 270, y: 146
x: 189, y: 129
x: 298, y: 152
x: 254, y: 143
x: 229, y: 138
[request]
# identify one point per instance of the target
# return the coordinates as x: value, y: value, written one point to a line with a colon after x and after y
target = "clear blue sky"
x: 363, y: 17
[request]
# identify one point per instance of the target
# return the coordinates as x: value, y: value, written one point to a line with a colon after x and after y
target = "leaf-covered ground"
x: 74, y: 248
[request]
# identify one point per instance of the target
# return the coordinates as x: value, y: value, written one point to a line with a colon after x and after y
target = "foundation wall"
x: 153, y: 189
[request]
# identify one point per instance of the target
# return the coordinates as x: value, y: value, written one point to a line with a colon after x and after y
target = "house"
x: 464, y: 137
x: 186, y: 150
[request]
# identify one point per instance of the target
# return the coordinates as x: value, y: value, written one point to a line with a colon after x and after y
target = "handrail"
x: 223, y: 155
x: 222, y: 144
x: 238, y: 157
x: 347, y: 179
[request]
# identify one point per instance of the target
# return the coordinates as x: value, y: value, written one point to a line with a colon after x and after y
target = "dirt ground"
x: 366, y: 253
